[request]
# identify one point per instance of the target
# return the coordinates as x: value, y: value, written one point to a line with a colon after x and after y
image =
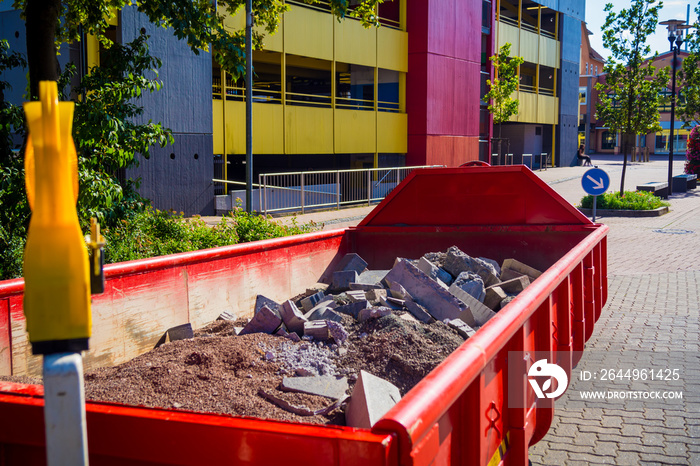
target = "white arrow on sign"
x: 597, y: 184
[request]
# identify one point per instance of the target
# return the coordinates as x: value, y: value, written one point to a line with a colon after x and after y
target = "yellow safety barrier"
x: 56, y: 269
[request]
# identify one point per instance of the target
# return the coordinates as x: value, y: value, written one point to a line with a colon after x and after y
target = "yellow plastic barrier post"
x: 57, y: 290
x: 56, y: 275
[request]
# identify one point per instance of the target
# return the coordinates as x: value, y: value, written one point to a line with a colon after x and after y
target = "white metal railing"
x: 299, y: 191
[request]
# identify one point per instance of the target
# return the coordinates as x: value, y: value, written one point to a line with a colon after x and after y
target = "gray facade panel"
x: 567, y: 140
x: 172, y: 178
x: 570, y: 38
x: 185, y: 102
x: 569, y: 84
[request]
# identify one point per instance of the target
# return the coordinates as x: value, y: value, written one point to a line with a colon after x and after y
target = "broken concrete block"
x: 519, y: 267
x: 371, y: 398
x: 329, y: 386
x: 352, y: 262
x: 373, y: 296
x: 494, y: 263
x: 430, y: 270
x: 343, y: 278
x: 373, y: 313
x: 324, y: 313
x: 292, y: 317
x: 472, y: 284
x: 310, y: 302
x: 282, y: 332
x: 393, y: 303
x: 505, y: 301
x: 494, y: 296
x: 238, y: 330
x: 508, y: 274
x: 364, y: 286
x: 181, y: 332
x: 438, y: 301
x: 226, y: 316
x: 419, y: 312
x: 271, y: 304
x: 328, y: 301
x: 317, y: 329
x: 436, y: 258
x: 515, y: 285
x: 318, y: 286
x: 337, y: 332
x: 457, y: 262
x: 397, y: 291
x: 480, y: 311
x: 372, y: 277
x: 265, y: 321
x: 356, y: 295
x: 462, y: 328
x: 353, y: 309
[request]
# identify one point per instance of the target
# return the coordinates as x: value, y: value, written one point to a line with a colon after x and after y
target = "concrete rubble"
x: 462, y: 291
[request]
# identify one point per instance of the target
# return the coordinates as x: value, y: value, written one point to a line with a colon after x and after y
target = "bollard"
x: 56, y: 274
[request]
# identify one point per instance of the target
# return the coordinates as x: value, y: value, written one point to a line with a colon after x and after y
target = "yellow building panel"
x: 235, y: 127
x: 355, y: 44
x: 308, y: 130
x: 308, y: 32
x: 509, y: 34
x: 392, y: 53
x: 549, y: 52
x: 93, y: 51
x: 235, y: 22
x: 529, y: 44
x: 527, y: 110
x: 268, y: 136
x: 548, y: 110
x: 218, y: 126
x: 355, y: 132
x: 272, y: 42
x: 392, y: 132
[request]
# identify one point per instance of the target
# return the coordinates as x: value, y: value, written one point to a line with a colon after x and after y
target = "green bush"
x: 153, y: 233
x: 632, y: 200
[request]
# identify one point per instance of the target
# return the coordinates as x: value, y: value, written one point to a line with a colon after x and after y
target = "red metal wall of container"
x: 443, y: 81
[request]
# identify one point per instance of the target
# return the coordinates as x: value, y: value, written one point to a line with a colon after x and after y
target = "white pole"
x: 64, y: 410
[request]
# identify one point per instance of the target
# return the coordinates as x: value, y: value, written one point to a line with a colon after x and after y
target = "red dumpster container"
x: 459, y: 414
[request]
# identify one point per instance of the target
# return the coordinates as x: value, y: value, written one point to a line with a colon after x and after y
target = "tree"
x: 199, y: 22
x: 502, y: 106
x: 689, y: 106
x: 630, y: 96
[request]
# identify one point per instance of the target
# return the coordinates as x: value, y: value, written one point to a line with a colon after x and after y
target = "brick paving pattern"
x: 651, y: 320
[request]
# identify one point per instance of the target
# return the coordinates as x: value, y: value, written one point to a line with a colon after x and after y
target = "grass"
x: 631, y: 200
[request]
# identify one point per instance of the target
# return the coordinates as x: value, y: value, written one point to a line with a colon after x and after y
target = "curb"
x: 625, y: 213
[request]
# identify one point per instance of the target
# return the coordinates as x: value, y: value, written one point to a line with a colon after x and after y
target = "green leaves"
x: 502, y: 106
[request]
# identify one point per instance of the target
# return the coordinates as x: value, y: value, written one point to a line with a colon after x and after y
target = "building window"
x: 582, y: 95
x: 608, y: 141
x: 596, y: 70
x: 586, y: 68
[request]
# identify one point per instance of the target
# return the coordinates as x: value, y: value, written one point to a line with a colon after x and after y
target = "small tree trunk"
x: 41, y: 21
x: 625, y: 145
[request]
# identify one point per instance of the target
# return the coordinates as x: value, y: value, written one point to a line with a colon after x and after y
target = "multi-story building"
x: 331, y: 94
x: 594, y: 138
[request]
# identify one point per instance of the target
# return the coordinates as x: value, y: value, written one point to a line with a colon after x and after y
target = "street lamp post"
x: 675, y: 37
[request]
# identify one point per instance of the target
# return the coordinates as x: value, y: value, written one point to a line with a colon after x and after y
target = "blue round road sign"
x: 595, y: 181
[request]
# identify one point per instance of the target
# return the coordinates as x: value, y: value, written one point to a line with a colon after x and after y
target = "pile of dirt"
x: 220, y: 372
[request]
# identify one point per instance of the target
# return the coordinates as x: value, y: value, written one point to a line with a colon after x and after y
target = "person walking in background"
x: 583, y: 157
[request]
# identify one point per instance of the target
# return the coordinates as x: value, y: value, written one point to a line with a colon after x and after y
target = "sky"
x: 672, y: 9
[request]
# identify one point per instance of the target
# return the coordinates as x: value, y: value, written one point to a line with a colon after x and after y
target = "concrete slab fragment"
x: 310, y: 302
x: 462, y: 328
x: 457, y: 262
x: 323, y: 314
x: 397, y: 291
x: 364, y: 286
x: 437, y: 300
x: 494, y: 296
x: 343, y: 278
x: 226, y: 316
x: 292, y: 317
x: 265, y: 321
x: 431, y: 270
x: 479, y: 310
x: 273, y: 305
x: 515, y: 285
x: 323, y: 385
x: 181, y: 332
x: 328, y: 301
x: 419, y: 312
x: 508, y: 274
x: 372, y: 277
x: 472, y: 284
x: 353, y: 309
x: 371, y: 398
x: 318, y: 329
x: 521, y: 268
x: 352, y: 262
x: 356, y: 295
x: 373, y: 296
